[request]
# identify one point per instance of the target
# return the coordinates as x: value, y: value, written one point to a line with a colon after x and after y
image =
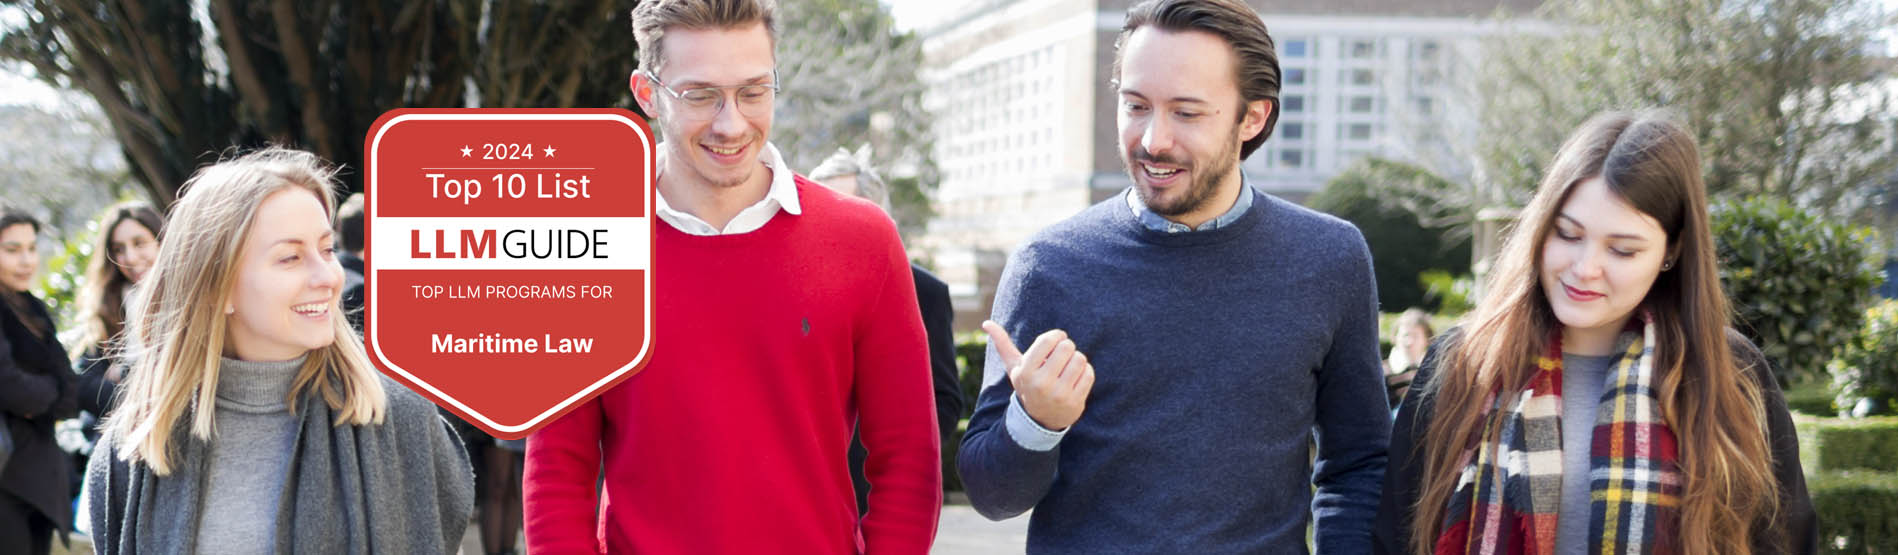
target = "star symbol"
x: 466, y: 152
x: 550, y: 152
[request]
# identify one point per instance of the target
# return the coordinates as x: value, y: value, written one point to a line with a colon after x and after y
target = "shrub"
x: 1401, y: 246
x: 1858, y: 511
x: 1866, y: 368
x: 1800, y: 283
x: 1814, y: 399
x: 1832, y: 444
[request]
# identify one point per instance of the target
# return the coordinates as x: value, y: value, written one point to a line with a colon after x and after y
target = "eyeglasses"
x: 704, y: 103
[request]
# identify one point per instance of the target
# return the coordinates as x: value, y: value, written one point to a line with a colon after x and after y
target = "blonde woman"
x: 251, y: 420
x: 1597, y: 401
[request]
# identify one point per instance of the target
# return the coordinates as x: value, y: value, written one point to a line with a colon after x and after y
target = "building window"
x: 1295, y: 76
x: 1361, y: 105
x: 1428, y: 50
x: 1294, y: 104
x: 1297, y: 48
x: 1362, y: 77
x: 1429, y: 77
x: 1292, y: 158
x: 1358, y: 131
x: 1292, y: 130
x: 1364, y: 48
x: 1425, y: 105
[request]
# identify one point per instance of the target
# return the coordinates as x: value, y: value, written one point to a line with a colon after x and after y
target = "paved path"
x: 963, y: 532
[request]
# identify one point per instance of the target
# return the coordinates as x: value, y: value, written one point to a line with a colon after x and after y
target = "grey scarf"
x: 401, y: 487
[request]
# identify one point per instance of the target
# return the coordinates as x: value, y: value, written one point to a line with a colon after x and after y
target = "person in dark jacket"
x: 851, y: 174
x: 349, y: 235
x: 1597, y: 400
x: 129, y: 234
x: 36, y: 389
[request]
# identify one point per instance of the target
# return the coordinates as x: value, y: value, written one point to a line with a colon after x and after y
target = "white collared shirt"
x: 781, y: 195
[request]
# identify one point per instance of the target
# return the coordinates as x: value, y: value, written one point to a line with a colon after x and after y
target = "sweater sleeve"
x: 896, y: 414
x: 1004, y: 477
x: 559, y: 492
x: 1352, y: 428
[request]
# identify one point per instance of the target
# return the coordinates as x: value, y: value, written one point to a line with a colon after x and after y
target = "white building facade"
x: 1025, y: 111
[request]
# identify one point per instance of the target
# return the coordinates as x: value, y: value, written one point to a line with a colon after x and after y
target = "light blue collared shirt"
x: 1159, y: 223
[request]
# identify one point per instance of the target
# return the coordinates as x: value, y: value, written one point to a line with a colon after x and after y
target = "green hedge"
x: 1858, y: 511
x: 1813, y: 398
x: 1833, y: 444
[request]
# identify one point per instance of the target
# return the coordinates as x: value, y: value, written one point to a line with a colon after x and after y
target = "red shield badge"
x: 509, y: 257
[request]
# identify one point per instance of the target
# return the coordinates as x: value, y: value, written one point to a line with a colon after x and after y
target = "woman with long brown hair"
x: 1596, y: 401
x: 251, y: 420
x: 129, y: 234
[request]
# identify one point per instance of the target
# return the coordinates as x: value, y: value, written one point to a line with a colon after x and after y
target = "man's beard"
x: 1199, y: 192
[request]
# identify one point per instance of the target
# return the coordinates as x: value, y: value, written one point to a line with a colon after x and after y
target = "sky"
x: 912, y: 14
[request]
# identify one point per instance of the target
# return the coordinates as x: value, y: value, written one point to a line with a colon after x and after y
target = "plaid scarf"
x: 1508, y: 491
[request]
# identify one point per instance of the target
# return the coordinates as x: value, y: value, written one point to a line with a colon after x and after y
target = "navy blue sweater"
x: 1219, y: 356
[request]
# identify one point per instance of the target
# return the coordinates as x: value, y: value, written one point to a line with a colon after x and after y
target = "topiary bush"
x: 1800, y: 283
x: 1866, y: 368
x: 1834, y: 444
x: 1858, y: 511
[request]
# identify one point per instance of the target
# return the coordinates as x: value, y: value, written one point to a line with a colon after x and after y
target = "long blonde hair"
x: 1716, y: 413
x: 176, y: 330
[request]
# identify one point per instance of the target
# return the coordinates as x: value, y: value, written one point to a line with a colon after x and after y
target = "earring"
x: 1665, y: 266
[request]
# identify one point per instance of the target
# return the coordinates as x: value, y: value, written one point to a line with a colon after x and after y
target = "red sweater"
x: 767, y: 346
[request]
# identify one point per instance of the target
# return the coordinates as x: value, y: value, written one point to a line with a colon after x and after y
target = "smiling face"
x: 133, y: 248
x: 19, y: 257
x: 288, y: 280
x: 1600, y: 259
x: 1181, y: 122
x: 718, y: 149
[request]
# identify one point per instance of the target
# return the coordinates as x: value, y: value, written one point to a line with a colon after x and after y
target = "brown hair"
x: 1255, y: 59
x: 652, y: 18
x: 11, y: 216
x: 1714, y: 410
x: 102, y: 302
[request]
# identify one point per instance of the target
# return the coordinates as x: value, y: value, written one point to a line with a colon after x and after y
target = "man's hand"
x: 1051, y: 379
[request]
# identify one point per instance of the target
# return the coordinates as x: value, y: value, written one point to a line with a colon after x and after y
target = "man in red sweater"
x: 784, y: 316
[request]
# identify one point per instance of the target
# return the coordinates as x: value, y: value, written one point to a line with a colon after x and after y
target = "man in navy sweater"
x: 1231, y: 330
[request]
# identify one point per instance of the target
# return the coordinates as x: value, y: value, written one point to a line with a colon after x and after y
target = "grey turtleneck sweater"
x: 249, y: 457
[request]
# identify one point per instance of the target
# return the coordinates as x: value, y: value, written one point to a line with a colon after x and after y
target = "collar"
x: 781, y: 195
x: 1156, y: 222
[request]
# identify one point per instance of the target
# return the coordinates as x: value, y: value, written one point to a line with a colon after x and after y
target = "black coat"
x: 1796, y: 529
x: 37, y: 380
